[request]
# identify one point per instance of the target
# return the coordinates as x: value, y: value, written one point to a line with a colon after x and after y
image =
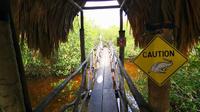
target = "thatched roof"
x: 183, y: 16
x: 46, y: 23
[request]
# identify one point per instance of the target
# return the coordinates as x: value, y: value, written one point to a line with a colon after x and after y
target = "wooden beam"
x: 158, y: 97
x: 100, y: 7
x: 121, y: 35
x: 82, y: 38
x: 4, y: 10
x: 121, y: 19
x: 75, y: 4
x: 11, y: 96
x: 20, y: 64
x: 122, y: 5
x: 121, y: 57
x: 97, y: 0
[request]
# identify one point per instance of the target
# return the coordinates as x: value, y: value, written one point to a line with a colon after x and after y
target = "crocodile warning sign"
x: 159, y: 60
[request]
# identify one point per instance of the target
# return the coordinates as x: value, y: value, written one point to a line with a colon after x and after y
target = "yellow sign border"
x: 159, y: 36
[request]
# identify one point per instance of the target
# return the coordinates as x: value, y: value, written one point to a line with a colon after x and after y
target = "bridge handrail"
x: 142, y: 104
x: 45, y: 102
x: 81, y: 90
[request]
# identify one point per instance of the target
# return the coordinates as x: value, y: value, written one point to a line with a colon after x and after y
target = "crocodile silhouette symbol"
x: 161, y: 67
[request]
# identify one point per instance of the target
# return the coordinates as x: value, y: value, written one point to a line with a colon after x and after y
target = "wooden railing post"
x: 82, y: 38
x: 121, y: 36
x: 82, y: 88
x: 20, y: 64
x: 121, y: 57
x: 11, y: 93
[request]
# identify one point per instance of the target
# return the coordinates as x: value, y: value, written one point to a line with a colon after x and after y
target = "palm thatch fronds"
x: 183, y: 14
x: 138, y: 13
x: 44, y: 23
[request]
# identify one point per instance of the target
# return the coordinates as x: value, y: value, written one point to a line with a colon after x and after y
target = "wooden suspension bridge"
x: 105, y: 91
x: 102, y: 87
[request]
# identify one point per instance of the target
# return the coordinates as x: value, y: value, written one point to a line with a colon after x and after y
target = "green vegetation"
x: 62, y: 62
x: 66, y: 58
x: 185, y: 89
x: 185, y: 93
x: 185, y: 85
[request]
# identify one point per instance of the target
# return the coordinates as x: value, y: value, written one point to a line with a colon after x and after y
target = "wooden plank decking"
x: 103, y: 95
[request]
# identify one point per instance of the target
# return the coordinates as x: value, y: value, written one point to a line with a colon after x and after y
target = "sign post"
x: 159, y: 60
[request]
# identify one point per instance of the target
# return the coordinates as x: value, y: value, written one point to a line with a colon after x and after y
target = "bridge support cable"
x: 44, y: 103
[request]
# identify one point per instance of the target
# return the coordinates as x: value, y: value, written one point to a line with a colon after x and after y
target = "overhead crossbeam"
x: 97, y: 0
x: 101, y: 7
x: 75, y: 4
x: 122, y: 5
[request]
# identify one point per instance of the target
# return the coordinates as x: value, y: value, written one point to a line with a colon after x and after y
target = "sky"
x: 103, y: 18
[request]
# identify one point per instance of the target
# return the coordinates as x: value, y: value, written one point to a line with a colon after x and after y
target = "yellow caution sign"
x: 159, y: 60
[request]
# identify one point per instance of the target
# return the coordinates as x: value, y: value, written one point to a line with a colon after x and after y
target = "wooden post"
x: 121, y: 57
x: 27, y: 102
x: 121, y: 35
x: 11, y: 93
x: 158, y: 97
x: 82, y: 39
